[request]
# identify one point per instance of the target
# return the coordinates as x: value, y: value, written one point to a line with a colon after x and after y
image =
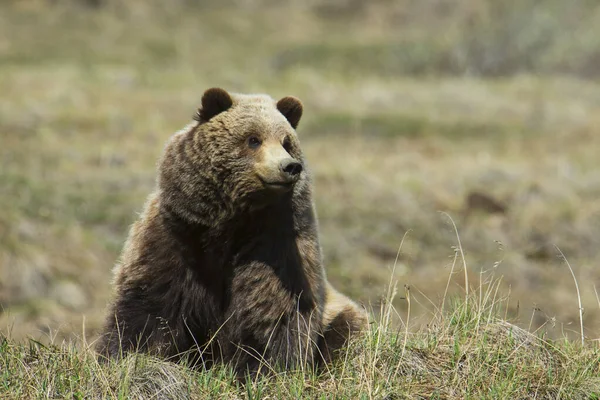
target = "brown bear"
x: 224, y: 264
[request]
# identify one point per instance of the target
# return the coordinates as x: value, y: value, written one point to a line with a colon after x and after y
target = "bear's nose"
x: 291, y: 167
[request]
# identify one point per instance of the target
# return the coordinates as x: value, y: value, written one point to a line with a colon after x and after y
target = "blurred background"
x: 487, y: 110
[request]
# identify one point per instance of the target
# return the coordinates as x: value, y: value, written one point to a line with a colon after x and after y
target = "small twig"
x: 448, y: 282
x: 532, y: 315
x: 407, y: 288
x: 578, y: 294
x: 462, y: 255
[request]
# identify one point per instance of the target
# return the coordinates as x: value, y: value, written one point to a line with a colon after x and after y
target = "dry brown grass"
x: 468, y: 350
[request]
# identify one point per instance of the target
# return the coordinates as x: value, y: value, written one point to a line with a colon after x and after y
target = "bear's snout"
x: 277, y: 169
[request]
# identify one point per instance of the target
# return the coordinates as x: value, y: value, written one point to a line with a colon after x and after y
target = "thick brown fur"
x: 224, y: 264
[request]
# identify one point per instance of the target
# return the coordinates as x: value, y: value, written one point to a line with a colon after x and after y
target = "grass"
x: 411, y: 107
x: 467, y: 350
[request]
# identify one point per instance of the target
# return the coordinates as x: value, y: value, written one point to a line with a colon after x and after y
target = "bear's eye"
x: 287, y: 144
x: 254, y: 142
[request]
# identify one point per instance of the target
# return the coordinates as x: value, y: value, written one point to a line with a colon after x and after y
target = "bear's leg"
x: 259, y: 342
x: 342, y: 318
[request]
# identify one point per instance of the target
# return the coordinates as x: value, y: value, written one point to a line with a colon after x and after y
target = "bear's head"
x: 241, y: 154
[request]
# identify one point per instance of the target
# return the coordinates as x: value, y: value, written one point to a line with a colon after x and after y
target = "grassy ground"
x: 487, y: 112
x: 468, y: 351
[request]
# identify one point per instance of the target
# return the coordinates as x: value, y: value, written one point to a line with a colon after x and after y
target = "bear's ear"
x: 291, y: 108
x: 214, y: 101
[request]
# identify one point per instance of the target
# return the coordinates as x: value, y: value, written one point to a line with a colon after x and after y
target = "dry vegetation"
x: 467, y: 351
x: 483, y: 109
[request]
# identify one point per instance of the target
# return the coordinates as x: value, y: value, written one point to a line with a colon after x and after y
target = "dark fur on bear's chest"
x: 220, y: 257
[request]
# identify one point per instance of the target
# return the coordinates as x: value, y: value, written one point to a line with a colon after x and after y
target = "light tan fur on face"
x: 271, y: 155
